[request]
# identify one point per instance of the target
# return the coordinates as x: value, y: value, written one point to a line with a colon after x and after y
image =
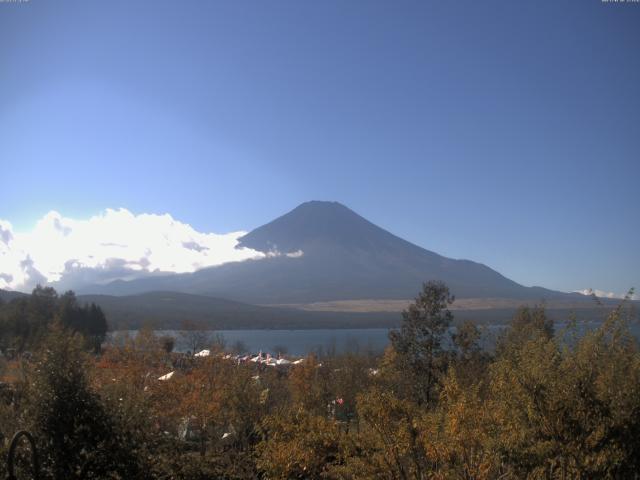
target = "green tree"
x: 527, y: 324
x: 419, y: 340
x: 466, y: 338
x: 470, y: 362
x: 25, y: 321
x: 77, y: 436
x: 89, y: 320
x: 167, y: 343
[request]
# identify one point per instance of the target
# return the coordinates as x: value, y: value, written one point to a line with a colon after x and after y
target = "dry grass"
x: 374, y: 305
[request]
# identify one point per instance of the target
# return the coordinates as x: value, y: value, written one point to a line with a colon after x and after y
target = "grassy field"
x: 375, y: 305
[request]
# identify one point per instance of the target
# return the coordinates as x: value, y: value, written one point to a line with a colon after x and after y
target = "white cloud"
x: 274, y: 252
x: 115, y: 244
x: 603, y: 294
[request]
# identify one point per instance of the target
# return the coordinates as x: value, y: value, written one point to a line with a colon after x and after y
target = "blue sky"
x: 504, y: 132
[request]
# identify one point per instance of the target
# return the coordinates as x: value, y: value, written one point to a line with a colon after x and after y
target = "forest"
x: 544, y: 404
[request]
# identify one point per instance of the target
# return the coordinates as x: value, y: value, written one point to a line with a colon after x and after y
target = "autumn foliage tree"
x: 544, y: 404
x: 570, y: 411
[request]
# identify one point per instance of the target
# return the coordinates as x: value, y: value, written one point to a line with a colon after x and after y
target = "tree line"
x: 25, y: 321
x: 542, y: 405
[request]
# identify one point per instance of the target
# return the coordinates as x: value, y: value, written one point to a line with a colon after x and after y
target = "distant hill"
x: 7, y: 296
x: 170, y: 310
x: 323, y: 251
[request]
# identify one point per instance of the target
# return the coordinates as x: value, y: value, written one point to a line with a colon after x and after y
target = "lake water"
x: 292, y: 342
x: 302, y: 342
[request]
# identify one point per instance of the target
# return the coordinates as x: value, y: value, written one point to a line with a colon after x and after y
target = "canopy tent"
x: 166, y: 377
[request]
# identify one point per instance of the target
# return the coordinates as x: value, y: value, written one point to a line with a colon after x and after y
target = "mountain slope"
x: 323, y: 251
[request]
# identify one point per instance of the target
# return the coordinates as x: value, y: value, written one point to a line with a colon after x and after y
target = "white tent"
x: 258, y: 358
x: 166, y: 377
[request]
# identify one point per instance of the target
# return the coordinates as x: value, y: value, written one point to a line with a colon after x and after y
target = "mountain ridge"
x: 324, y: 251
x: 176, y: 311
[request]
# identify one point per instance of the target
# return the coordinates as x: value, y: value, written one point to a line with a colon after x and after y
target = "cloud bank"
x: 115, y: 244
x: 603, y: 294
